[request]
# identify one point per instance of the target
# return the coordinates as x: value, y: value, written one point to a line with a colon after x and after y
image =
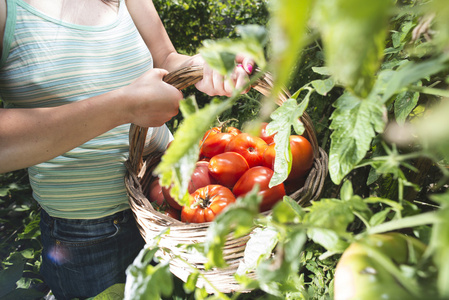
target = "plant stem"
x: 429, y: 91
x: 407, y: 222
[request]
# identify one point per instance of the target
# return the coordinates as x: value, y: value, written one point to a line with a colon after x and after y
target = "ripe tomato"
x: 302, y: 153
x: 214, y: 130
x: 155, y: 192
x: 294, y: 185
x: 250, y: 147
x: 215, y: 144
x: 269, y: 156
x: 205, y: 203
x: 260, y: 175
x: 302, y: 157
x: 169, y: 211
x: 269, y: 139
x: 200, y: 178
x: 226, y: 168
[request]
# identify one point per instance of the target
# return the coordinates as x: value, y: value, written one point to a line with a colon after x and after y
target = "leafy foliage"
x: 373, y: 77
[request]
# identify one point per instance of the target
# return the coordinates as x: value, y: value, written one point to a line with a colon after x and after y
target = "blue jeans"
x: 82, y: 258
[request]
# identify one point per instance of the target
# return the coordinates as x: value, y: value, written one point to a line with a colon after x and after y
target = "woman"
x: 73, y: 76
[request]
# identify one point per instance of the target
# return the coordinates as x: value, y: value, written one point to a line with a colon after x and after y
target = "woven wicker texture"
x: 151, y: 222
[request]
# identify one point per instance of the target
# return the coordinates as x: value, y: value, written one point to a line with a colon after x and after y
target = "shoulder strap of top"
x: 10, y: 27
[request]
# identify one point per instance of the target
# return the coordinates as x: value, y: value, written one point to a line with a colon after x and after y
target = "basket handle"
x: 188, y: 76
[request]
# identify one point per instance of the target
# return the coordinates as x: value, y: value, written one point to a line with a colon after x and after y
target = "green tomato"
x: 362, y: 272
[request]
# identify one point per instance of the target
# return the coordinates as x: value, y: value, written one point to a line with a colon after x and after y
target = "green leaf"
x: 327, y: 238
x: 259, y: 247
x: 404, y: 104
x: 115, y: 292
x: 327, y: 221
x: 323, y: 87
x: 346, y: 191
x: 253, y: 34
x: 279, y: 275
x: 411, y: 72
x: 12, y: 273
x: 237, y: 218
x: 178, y: 162
x: 190, y: 284
x: 322, y: 71
x: 145, y: 281
x: 287, y: 212
x: 288, y: 32
x: 353, y: 34
x: 355, y: 123
x: 439, y: 243
x: 294, y: 206
x: 220, y: 54
x: 217, y: 58
x: 331, y: 214
x: 188, y: 106
x: 379, y: 217
x: 283, y: 119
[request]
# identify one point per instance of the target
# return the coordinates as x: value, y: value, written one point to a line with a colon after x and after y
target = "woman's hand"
x: 214, y: 84
x: 150, y: 102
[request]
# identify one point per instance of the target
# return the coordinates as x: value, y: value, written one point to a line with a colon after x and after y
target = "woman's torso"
x: 51, y: 58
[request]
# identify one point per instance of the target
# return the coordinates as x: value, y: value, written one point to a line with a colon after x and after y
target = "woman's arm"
x: 152, y: 30
x: 32, y: 136
x: 165, y: 55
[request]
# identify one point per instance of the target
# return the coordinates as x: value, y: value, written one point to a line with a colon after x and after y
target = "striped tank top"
x: 47, y: 62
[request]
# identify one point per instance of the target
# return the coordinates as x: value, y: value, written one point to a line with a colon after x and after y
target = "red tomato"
x: 205, y: 203
x: 269, y: 156
x: 227, y: 168
x: 250, y: 147
x: 294, y: 185
x: 260, y: 175
x: 302, y: 157
x: 214, y: 130
x: 200, y: 178
x: 269, y: 139
x: 155, y: 192
x: 170, y: 211
x: 215, y: 144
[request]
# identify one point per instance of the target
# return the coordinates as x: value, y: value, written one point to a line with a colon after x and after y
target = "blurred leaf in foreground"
x: 353, y: 34
x: 288, y: 36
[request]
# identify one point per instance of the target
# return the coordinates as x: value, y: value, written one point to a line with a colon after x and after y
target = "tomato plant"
x: 227, y: 168
x: 250, y: 147
x: 260, y: 176
x: 205, y: 203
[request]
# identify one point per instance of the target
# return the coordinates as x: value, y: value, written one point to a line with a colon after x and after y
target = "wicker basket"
x: 151, y: 222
